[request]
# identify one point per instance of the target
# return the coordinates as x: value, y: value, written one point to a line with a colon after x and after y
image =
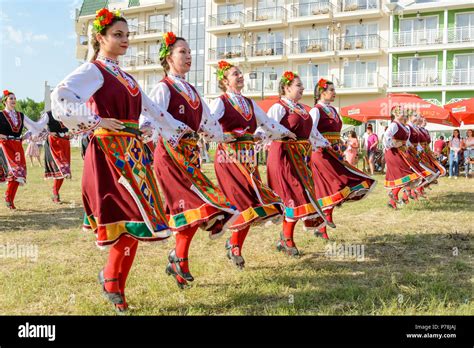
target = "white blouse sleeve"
x: 267, y: 128
x: 276, y: 112
x: 210, y: 127
x: 35, y: 128
x: 69, y: 100
x: 316, y: 138
x: 388, y: 142
x: 217, y: 108
x: 164, y: 124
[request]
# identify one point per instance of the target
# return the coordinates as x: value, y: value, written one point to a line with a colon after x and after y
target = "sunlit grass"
x: 417, y: 260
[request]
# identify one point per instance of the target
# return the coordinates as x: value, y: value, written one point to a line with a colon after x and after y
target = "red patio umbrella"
x: 462, y: 110
x: 267, y: 103
x: 380, y: 109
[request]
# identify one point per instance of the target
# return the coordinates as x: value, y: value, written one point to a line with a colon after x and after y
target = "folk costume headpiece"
x: 103, y: 18
x: 168, y: 39
x: 288, y: 77
x: 222, y: 67
x: 5, y: 95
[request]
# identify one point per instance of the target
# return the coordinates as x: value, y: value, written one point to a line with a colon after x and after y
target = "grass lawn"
x: 416, y: 261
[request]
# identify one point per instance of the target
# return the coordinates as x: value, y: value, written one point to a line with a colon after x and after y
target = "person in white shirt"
x: 454, y: 154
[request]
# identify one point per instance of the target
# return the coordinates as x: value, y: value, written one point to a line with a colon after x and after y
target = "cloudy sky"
x: 37, y: 44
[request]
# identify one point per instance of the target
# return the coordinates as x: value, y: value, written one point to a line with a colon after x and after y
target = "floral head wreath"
x: 288, y: 77
x: 5, y: 94
x: 103, y: 18
x: 168, y: 39
x: 222, y: 67
x: 322, y: 84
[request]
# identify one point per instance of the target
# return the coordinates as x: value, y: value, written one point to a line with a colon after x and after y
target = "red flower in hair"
x: 170, y: 38
x: 6, y: 92
x: 289, y: 75
x: 322, y: 83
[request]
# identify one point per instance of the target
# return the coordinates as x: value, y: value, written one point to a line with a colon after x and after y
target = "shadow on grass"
x: 417, y: 272
x: 452, y: 201
x: 34, y: 220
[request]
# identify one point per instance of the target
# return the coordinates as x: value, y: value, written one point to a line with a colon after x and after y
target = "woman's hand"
x: 292, y: 136
x: 3, y: 137
x: 111, y: 124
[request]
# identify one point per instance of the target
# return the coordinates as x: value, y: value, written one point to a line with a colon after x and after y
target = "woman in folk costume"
x: 191, y: 199
x: 336, y: 181
x: 57, y: 153
x: 414, y: 149
x: 119, y: 191
x: 425, y: 141
x: 236, y: 163
x: 401, y: 172
x: 288, y: 163
x: 12, y: 155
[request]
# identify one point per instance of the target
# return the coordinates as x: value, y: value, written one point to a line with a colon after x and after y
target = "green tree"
x: 29, y: 107
x: 351, y: 121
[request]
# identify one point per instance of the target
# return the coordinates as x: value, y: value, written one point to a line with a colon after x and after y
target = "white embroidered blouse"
x: 69, y: 104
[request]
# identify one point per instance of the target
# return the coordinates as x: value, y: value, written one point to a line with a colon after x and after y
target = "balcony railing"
x: 255, y: 86
x: 229, y: 18
x: 266, y: 49
x: 267, y: 14
x: 311, y: 46
x: 360, y: 42
x: 150, y: 28
x: 418, y: 37
x: 368, y: 80
x: 416, y: 79
x: 460, y: 77
x: 141, y: 60
x: 312, y: 9
x: 461, y: 34
x: 354, y: 5
x: 227, y: 52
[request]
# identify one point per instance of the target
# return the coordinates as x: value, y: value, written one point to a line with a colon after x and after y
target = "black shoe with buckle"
x: 115, y: 297
x: 173, y: 268
x: 237, y: 260
x: 282, y: 246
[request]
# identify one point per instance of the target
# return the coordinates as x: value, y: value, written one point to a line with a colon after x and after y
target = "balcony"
x: 141, y: 63
x: 461, y: 35
x: 253, y: 88
x: 460, y: 77
x: 370, y: 82
x: 354, y: 9
x: 311, y: 13
x: 270, y: 17
x: 226, y: 22
x: 150, y: 31
x: 418, y: 38
x: 314, y: 48
x: 233, y: 54
x: 361, y: 45
x: 266, y: 52
x: 430, y: 78
x: 147, y: 5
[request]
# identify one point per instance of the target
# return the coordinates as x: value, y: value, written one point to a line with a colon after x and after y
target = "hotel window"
x: 359, y: 36
x: 133, y: 25
x: 313, y: 40
x: 153, y: 54
x: 157, y: 23
x: 269, y: 43
x: 419, y: 31
x: 463, y: 69
x: 151, y: 81
x: 421, y: 71
x: 311, y: 73
x: 229, y: 47
x: 360, y: 74
x: 193, y: 29
x: 229, y: 14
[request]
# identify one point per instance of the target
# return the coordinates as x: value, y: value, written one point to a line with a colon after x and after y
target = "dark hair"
x: 469, y: 130
x: 95, y: 43
x: 369, y: 126
x: 163, y: 62
x: 441, y: 137
x: 319, y: 90
x: 459, y: 133
x: 353, y: 134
